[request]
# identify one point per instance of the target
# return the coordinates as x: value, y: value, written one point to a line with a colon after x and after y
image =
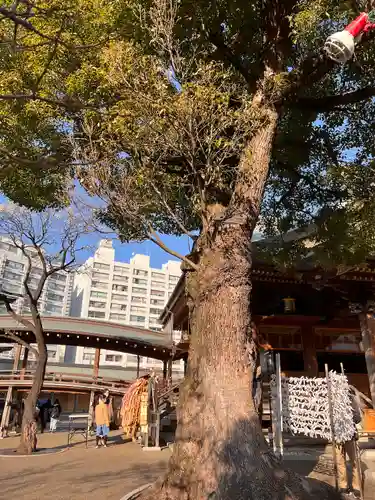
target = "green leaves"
x: 150, y: 103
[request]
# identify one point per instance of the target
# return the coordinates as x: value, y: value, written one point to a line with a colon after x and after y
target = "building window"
x: 142, y: 291
x: 174, y: 279
x: 118, y: 307
x: 51, y: 354
x: 54, y: 297
x: 153, y: 310
x: 140, y: 272
x: 94, y: 303
x: 158, y: 284
x: 139, y: 300
x: 11, y: 288
x: 56, y: 287
x: 96, y: 314
x: 8, y: 247
x: 121, y: 270
x: 102, y: 276
x: 9, y: 275
x: 15, y: 265
x: 155, y: 328
x: 139, y: 281
x: 137, y: 319
x: 88, y: 356
x: 120, y: 288
x: 113, y: 358
x: 100, y: 265
x: 157, y: 302
x: 118, y: 317
x: 118, y: 277
x: 132, y: 358
x: 99, y: 284
x: 153, y: 321
x: 56, y: 276
x: 158, y: 275
x: 51, y: 309
x: 122, y: 298
x: 157, y: 293
x: 138, y: 309
x: 99, y: 295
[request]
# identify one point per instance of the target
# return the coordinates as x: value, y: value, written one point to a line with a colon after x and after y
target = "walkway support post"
x: 96, y: 363
x: 165, y: 369
x: 24, y: 363
x: 17, y: 357
x: 138, y: 362
x: 309, y: 351
x: 6, y: 413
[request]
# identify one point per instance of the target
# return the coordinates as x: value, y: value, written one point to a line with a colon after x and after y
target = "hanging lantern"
x: 289, y: 305
x: 340, y: 46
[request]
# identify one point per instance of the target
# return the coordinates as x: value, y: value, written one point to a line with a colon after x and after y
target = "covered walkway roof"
x: 95, y: 333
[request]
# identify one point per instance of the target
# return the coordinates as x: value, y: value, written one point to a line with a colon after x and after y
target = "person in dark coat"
x: 55, y: 415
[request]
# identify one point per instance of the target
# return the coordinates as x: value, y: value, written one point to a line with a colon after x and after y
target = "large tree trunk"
x: 220, y: 451
x: 367, y: 323
x: 29, y: 428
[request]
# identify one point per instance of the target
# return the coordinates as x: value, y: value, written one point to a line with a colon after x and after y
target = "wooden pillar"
x: 96, y: 363
x: 367, y: 323
x: 309, y: 351
x: 17, y: 357
x: 170, y: 370
x: 6, y: 412
x: 138, y: 364
x: 24, y: 363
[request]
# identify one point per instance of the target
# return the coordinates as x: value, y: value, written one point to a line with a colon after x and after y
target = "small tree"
x: 48, y: 241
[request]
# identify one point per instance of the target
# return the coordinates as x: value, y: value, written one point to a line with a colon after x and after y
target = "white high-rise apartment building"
x: 131, y: 293
x: 56, y: 297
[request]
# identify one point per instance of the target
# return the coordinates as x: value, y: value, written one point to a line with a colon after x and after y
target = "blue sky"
x: 123, y: 251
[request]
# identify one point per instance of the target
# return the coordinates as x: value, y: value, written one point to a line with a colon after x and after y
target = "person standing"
x: 350, y: 449
x: 102, y: 422
x: 55, y: 415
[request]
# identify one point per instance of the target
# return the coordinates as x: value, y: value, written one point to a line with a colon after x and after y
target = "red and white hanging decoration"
x: 340, y: 46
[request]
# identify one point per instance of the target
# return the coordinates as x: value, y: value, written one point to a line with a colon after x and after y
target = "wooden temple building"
x: 309, y: 316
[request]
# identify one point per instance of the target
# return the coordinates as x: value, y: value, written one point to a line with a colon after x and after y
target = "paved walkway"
x: 109, y: 473
x: 79, y: 473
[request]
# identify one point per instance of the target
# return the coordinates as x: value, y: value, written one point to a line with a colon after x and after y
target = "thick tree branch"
x: 12, y: 16
x: 18, y: 340
x: 154, y: 237
x: 17, y: 317
x: 331, y: 102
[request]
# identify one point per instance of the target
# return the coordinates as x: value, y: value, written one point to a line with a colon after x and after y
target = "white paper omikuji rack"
x: 312, y: 407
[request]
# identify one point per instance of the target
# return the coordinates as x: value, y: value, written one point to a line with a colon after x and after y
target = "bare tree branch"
x: 170, y: 211
x: 17, y: 317
x: 155, y: 238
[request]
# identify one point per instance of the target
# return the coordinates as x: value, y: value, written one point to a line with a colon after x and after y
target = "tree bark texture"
x: 220, y: 452
x: 29, y: 427
x: 28, y: 440
x: 367, y: 323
